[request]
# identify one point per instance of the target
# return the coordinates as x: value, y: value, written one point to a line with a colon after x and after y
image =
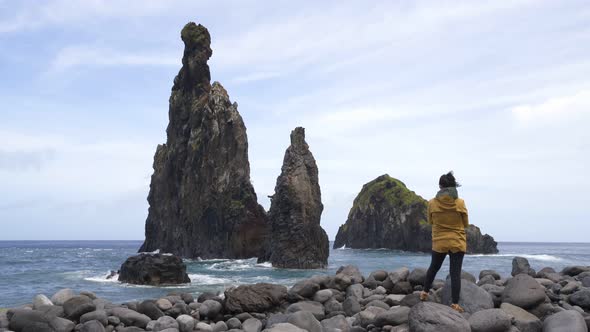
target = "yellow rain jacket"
x: 448, y: 216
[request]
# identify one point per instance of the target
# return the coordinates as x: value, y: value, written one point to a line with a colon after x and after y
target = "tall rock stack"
x: 386, y: 214
x: 202, y: 203
x: 297, y: 240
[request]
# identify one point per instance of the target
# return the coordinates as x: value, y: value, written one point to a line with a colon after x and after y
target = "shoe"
x: 423, y: 296
x: 457, y: 308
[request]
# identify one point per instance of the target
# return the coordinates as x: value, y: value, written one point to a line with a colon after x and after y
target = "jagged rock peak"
x: 194, y: 75
x: 297, y: 240
x: 386, y: 214
x: 202, y: 203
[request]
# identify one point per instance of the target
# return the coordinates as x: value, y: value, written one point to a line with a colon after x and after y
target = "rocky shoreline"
x: 345, y: 302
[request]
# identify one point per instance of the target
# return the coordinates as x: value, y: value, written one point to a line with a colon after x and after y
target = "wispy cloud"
x: 86, y: 55
x: 554, y: 109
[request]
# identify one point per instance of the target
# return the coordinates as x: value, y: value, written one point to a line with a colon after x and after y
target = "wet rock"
x: 569, y: 320
x: 490, y: 320
x: 523, y: 291
x: 434, y: 317
x: 153, y: 269
x: 150, y: 309
x: 222, y: 326
x: 322, y: 295
x: 573, y: 271
x: 351, y: 306
x: 210, y: 308
x: 488, y: 279
x: 260, y: 297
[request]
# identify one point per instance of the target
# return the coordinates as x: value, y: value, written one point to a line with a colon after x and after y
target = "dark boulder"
x: 386, y: 214
x: 581, y: 298
x: 153, y: 269
x: 520, y: 265
x: 434, y: 317
x: 568, y: 320
x: 202, y: 203
x: 260, y: 297
x: 523, y: 291
x: 472, y: 297
x: 78, y: 306
x: 297, y: 241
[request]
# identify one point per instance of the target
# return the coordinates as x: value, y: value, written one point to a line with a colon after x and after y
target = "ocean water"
x: 28, y: 268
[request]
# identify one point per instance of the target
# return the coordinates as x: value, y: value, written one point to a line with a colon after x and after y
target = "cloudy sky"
x: 498, y: 91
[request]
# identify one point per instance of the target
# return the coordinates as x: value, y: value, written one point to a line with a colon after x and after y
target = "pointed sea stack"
x: 386, y: 214
x: 202, y: 203
x: 297, y: 240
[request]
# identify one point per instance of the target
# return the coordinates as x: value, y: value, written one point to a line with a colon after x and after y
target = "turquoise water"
x: 31, y: 267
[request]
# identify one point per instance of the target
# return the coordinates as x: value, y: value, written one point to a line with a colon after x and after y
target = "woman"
x: 448, y: 216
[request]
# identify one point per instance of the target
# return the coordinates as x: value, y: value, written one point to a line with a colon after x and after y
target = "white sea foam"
x: 265, y: 264
x: 538, y: 257
x: 103, y: 278
x: 205, y: 279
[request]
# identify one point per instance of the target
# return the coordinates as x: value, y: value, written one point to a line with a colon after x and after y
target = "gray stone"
x: 355, y: 290
x: 40, y: 300
x: 378, y: 303
x: 393, y: 316
x: 20, y: 318
x: 523, y: 320
x: 234, y: 323
x: 336, y: 322
x: 520, y: 265
x: 98, y: 315
x: 92, y: 326
x: 164, y: 304
x: 165, y: 322
x: 395, y: 276
x: 78, y: 306
x: 260, y: 297
x: 210, y: 308
x: 62, y: 296
x: 37, y: 327
x: 306, y: 321
x: 402, y: 287
x: 220, y: 326
x: 202, y: 326
x: 333, y: 306
x: 367, y: 317
x: 61, y: 324
x: 252, y: 325
x: 570, y: 287
x: 150, y: 309
x: 472, y: 297
x: 434, y: 317
x: 276, y: 319
x: 284, y: 327
x: 316, y: 308
x: 492, y: 273
x: 351, y: 306
x: 303, y: 289
x: 487, y: 279
x: 573, y: 271
x: 565, y: 321
x: 130, y: 317
x: 581, y: 298
x: 523, y: 291
x: 187, y: 323
x: 585, y: 281
x: 322, y: 295
x: 490, y: 320
x: 352, y: 272
x: 417, y: 276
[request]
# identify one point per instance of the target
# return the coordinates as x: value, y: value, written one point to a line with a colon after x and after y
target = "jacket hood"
x: 447, y: 198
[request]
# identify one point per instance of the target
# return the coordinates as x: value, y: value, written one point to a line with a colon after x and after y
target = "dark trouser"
x: 456, y: 265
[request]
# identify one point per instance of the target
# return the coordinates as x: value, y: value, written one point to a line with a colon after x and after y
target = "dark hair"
x: 448, y: 180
